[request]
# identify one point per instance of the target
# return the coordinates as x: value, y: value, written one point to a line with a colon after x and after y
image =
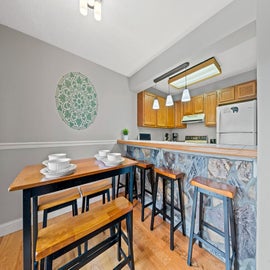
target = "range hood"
x: 194, y: 118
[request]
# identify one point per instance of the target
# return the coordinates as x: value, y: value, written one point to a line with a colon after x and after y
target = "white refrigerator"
x: 237, y: 123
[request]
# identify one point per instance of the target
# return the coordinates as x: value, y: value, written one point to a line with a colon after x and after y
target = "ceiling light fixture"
x: 185, y: 95
x: 169, y: 99
x: 92, y: 4
x: 195, y: 74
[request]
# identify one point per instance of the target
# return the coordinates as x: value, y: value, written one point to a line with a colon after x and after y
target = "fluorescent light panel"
x: 198, y: 73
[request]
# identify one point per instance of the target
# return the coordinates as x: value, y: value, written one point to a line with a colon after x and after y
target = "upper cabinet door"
x: 246, y: 91
x: 146, y: 116
x: 188, y: 107
x: 198, y: 105
x: 178, y: 115
x: 170, y: 116
x: 162, y: 113
x: 210, y: 104
x: 226, y: 95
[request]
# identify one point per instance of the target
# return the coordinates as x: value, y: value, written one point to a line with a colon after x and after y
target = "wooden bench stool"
x: 169, y: 175
x: 226, y: 193
x: 59, y: 238
x: 57, y: 200
x: 92, y: 190
x: 143, y: 167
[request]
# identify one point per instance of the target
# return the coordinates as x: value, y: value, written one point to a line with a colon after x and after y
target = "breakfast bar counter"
x: 211, y: 149
x: 235, y: 165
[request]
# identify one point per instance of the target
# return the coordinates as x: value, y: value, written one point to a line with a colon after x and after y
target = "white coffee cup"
x: 114, y: 156
x: 57, y: 156
x: 103, y: 153
x: 58, y: 164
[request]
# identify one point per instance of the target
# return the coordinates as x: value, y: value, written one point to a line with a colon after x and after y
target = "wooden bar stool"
x: 125, y: 185
x: 92, y: 190
x: 169, y: 175
x: 57, y: 200
x: 143, y: 167
x: 226, y: 193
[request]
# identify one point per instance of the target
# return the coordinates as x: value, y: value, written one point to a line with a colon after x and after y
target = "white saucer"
x: 112, y: 163
x: 45, y: 162
x: 53, y: 174
x: 98, y: 157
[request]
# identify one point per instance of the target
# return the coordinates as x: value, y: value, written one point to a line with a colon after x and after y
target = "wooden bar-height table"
x: 33, y: 184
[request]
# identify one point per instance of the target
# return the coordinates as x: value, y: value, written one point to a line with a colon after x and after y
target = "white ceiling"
x: 130, y: 35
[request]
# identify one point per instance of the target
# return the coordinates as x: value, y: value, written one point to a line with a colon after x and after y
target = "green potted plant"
x: 125, y: 134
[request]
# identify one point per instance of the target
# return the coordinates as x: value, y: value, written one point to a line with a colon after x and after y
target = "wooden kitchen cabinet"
x: 146, y: 116
x: 187, y: 107
x: 240, y: 92
x: 246, y: 91
x: 178, y: 115
x: 226, y: 95
x: 198, y: 105
x: 210, y: 105
x: 161, y: 113
x: 170, y: 116
x: 195, y: 105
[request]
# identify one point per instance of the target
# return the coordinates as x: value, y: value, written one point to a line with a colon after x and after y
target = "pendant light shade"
x: 185, y: 95
x: 97, y: 10
x: 155, y: 104
x: 169, y: 100
x: 83, y: 7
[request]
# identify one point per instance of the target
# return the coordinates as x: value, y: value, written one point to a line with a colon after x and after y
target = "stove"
x: 196, y: 139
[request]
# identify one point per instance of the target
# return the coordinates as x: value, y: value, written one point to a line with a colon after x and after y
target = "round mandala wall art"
x: 76, y: 100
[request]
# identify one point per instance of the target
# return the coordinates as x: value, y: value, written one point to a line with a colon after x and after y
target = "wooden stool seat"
x: 144, y: 165
x: 224, y: 192
x: 58, y: 238
x: 57, y: 200
x: 169, y: 173
x: 61, y: 197
x: 220, y: 188
x: 92, y: 190
x: 172, y: 176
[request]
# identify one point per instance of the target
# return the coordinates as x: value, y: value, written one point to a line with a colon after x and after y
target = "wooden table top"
x: 31, y: 177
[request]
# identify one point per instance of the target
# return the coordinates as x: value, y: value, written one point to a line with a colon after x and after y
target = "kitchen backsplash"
x: 198, y: 129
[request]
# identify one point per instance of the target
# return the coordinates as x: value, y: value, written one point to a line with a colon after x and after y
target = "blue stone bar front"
x: 238, y: 170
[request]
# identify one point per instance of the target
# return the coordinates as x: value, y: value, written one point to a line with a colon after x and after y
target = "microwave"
x: 145, y: 136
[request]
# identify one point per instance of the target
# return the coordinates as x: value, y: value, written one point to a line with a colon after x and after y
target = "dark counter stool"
x: 125, y: 186
x: 226, y: 193
x: 143, y: 168
x: 171, y: 176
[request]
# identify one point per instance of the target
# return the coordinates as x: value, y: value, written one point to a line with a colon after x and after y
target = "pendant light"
x: 155, y: 104
x: 185, y: 95
x: 169, y: 99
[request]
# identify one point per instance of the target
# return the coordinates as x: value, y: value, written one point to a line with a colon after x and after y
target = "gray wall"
x: 263, y: 68
x: 30, y: 127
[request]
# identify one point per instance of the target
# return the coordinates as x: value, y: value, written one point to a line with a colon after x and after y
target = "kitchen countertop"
x: 211, y: 149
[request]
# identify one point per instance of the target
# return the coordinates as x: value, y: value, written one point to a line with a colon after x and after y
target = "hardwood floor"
x: 151, y: 249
